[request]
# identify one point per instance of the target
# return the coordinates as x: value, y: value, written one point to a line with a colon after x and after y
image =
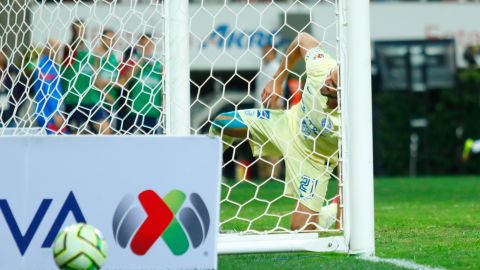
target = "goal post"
x: 210, y: 58
x: 353, y: 53
x: 357, y: 150
x: 177, y: 72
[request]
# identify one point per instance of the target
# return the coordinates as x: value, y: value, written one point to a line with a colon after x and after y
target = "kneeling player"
x: 305, y: 135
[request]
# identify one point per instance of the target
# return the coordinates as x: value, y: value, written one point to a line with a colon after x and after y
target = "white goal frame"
x: 356, y: 155
x: 355, y: 170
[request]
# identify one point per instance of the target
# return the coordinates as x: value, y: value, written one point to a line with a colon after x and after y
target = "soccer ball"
x: 80, y: 246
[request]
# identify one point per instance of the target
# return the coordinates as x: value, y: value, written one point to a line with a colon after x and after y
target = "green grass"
x: 433, y: 221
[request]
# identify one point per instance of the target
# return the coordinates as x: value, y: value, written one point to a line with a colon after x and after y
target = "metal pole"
x: 357, y: 125
x: 177, y: 71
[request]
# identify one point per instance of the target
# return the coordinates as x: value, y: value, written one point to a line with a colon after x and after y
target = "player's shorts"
x: 272, y: 133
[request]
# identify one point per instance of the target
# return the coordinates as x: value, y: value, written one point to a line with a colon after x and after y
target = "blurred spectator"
x: 13, y: 91
x: 472, y: 56
x: 130, y: 57
x: 95, y: 74
x: 70, y: 71
x: 145, y: 89
x: 77, y: 41
x: 107, y: 81
x: 48, y: 90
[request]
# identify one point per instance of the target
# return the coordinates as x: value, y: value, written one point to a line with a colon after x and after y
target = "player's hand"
x: 59, y: 121
x: 110, y: 99
x: 271, y: 92
x: 267, y: 92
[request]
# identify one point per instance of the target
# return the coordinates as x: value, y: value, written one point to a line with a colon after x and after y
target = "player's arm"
x: 127, y: 70
x: 100, y: 82
x: 296, y: 51
x: 101, y: 85
x: 97, y: 78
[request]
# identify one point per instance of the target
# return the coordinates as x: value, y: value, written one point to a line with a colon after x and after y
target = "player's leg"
x: 229, y: 126
x: 78, y: 119
x: 304, y: 218
x: 307, y: 181
x: 270, y: 167
x: 100, y: 121
x: 148, y: 124
x: 103, y: 127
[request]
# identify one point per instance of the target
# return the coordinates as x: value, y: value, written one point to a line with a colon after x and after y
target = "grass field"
x: 431, y: 221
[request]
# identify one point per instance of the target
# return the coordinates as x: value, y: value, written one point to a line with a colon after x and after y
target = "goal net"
x: 119, y: 68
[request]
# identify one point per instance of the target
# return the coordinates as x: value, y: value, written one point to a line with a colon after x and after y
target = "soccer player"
x: 471, y: 146
x: 48, y: 90
x: 306, y: 135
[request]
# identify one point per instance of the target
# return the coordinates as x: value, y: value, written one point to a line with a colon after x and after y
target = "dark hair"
x: 75, y: 39
x: 129, y: 52
x: 147, y: 35
x: 145, y: 38
x: 3, y: 59
x: 106, y: 31
x: 78, y: 22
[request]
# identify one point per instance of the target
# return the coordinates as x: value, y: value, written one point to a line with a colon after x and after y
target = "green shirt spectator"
x: 83, y: 73
x: 146, y: 91
x: 71, y: 83
x: 83, y: 98
x: 109, y: 72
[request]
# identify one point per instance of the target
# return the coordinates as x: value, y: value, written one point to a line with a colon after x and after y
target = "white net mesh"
x: 83, y: 68
x: 97, y: 68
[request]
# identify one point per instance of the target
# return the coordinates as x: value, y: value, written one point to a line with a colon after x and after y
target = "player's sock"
x: 328, y: 215
x: 467, y: 149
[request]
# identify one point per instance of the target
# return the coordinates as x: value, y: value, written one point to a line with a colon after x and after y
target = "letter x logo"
x: 178, y: 226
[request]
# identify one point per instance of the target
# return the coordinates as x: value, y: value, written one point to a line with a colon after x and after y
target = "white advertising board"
x: 230, y: 37
x: 47, y: 183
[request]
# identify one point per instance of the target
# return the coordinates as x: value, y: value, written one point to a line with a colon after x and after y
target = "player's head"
x: 3, y: 61
x: 78, y: 29
x: 329, y: 88
x: 108, y: 38
x: 146, y: 47
x: 52, y: 47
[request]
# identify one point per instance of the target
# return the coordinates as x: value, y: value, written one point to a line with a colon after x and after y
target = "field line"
x: 400, y: 263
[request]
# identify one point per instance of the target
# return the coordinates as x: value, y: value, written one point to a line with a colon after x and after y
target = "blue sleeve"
x: 58, y: 94
x: 54, y: 101
x: 36, y: 81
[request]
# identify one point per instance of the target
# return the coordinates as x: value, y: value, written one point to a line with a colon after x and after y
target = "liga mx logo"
x: 140, y: 226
